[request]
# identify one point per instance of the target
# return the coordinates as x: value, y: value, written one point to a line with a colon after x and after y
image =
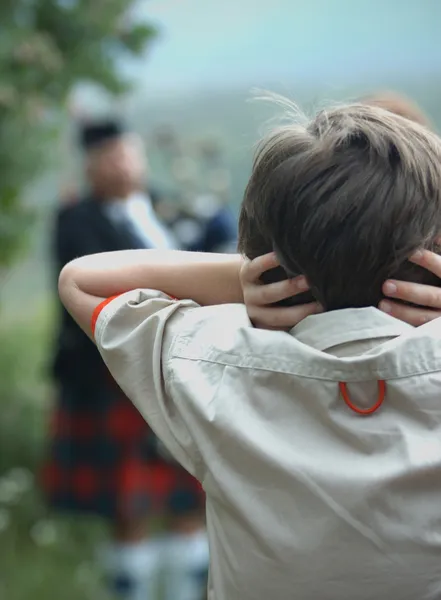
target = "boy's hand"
x: 426, y: 296
x: 259, y: 298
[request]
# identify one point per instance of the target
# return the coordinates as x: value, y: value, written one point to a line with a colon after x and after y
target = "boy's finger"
x: 409, y: 314
x: 275, y: 292
x: 428, y: 260
x: 283, y: 318
x: 253, y: 269
x: 416, y: 293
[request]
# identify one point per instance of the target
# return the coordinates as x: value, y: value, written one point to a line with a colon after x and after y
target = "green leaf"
x: 46, y: 48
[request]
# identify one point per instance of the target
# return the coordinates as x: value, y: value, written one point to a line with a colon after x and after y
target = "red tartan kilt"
x: 104, y: 459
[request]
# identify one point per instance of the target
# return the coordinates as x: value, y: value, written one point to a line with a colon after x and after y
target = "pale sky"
x: 206, y: 43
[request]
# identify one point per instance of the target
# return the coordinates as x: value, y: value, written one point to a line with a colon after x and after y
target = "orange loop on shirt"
x: 364, y: 411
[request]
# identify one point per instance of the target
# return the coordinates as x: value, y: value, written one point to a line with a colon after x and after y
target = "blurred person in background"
x: 218, y: 226
x: 207, y: 225
x: 202, y: 219
x: 398, y: 104
x: 104, y: 459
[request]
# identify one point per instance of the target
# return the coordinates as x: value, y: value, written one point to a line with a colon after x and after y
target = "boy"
x: 307, y: 496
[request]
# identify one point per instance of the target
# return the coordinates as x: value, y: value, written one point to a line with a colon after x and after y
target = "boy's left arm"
x: 135, y: 330
x: 207, y: 279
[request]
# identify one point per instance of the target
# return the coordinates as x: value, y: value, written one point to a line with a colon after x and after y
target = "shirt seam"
x: 380, y: 373
x: 338, y: 339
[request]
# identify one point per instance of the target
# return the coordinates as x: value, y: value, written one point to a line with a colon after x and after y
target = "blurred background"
x: 181, y: 75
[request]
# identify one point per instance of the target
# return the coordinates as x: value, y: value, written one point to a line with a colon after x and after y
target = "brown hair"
x: 345, y: 200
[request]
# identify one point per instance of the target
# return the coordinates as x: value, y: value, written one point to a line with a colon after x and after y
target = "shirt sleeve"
x: 134, y: 333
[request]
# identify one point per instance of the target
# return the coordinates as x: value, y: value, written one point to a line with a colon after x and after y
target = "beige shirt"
x: 306, y: 499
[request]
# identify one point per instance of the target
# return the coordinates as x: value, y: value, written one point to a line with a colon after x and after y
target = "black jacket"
x: 80, y: 229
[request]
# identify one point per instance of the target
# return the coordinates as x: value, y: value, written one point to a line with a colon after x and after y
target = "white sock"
x: 186, y: 560
x: 132, y: 569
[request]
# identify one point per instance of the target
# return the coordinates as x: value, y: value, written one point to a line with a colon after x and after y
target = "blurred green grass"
x: 41, y: 556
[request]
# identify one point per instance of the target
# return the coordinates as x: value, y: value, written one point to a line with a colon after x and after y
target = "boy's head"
x: 345, y: 200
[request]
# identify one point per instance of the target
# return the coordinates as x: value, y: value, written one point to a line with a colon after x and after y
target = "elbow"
x: 67, y: 283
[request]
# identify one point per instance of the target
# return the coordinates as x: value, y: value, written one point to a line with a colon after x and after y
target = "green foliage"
x: 24, y: 387
x: 46, y: 47
x: 55, y: 555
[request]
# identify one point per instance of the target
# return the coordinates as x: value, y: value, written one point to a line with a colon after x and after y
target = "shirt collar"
x: 337, y: 327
